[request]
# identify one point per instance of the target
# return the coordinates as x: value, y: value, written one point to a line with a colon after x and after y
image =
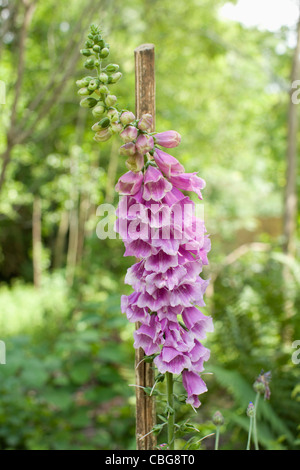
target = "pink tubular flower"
x: 129, y: 134
x: 188, y: 182
x: 155, y: 185
x: 130, y: 183
x: 167, y: 164
x: 159, y: 227
x: 168, y: 139
x: 144, y: 143
x: 128, y: 150
x: 145, y: 123
x: 194, y: 386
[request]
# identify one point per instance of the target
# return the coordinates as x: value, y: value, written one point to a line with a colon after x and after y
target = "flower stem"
x: 217, y: 437
x: 250, y: 433
x: 254, y: 422
x: 171, y: 413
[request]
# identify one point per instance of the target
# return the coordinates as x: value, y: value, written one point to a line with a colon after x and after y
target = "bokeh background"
x: 223, y: 75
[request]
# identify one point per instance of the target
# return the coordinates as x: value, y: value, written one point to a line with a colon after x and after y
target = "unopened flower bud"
x: 251, y: 410
x: 84, y: 91
x: 89, y: 43
x: 261, y: 385
x: 128, y: 150
x: 145, y: 123
x: 88, y: 102
x: 96, y: 48
x: 86, y: 52
x: 116, y: 127
x: 111, y: 100
x: 168, y: 139
x: 103, y: 89
x: 127, y: 117
x: 89, y: 64
x: 144, y: 143
x: 93, y: 84
x: 115, y: 77
x: 103, y: 135
x: 135, y: 163
x: 113, y: 115
x: 110, y: 68
x: 218, y: 419
x: 98, y: 111
x: 104, y: 53
x: 129, y: 134
x: 103, y: 77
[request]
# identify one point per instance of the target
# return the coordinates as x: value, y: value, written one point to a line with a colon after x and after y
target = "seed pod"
x: 88, y: 102
x: 104, y: 53
x: 103, y: 77
x: 111, y: 100
x: 110, y: 68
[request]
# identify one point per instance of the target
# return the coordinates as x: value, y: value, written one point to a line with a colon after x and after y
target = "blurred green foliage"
x: 69, y: 349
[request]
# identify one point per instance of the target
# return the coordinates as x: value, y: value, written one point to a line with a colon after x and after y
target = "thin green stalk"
x: 217, y: 437
x: 250, y: 433
x: 254, y: 422
x: 171, y: 414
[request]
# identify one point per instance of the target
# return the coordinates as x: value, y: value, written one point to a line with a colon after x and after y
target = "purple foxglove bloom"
x: 129, y: 134
x: 194, y: 386
x: 159, y: 226
x: 188, y: 182
x: 168, y: 139
x: 171, y: 360
x: 160, y: 262
x: 145, y: 123
x: 129, y: 183
x: 133, y: 312
x: 128, y: 150
x: 170, y: 279
x: 146, y: 338
x: 144, y: 143
x: 155, y: 185
x: 167, y: 164
x: 138, y: 248
x: 156, y: 301
x: 127, y: 117
x: 197, y: 323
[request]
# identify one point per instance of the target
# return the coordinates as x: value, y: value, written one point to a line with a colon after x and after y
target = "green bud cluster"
x: 94, y: 89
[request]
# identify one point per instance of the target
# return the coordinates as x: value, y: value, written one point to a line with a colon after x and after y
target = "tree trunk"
x: 37, y: 241
x: 61, y: 240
